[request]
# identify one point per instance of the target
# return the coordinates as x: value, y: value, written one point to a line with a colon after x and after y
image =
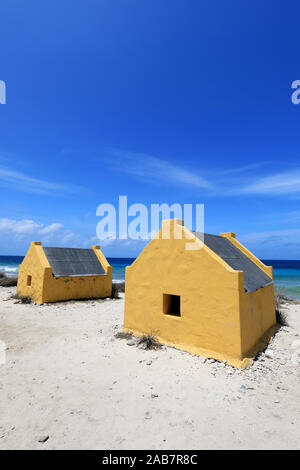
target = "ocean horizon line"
x: 286, y: 272
x: 134, y: 257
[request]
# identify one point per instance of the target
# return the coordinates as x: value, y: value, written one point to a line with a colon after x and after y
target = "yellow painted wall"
x: 47, y: 288
x: 258, y: 318
x: 212, y: 298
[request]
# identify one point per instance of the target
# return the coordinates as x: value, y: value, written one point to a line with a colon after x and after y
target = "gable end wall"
x: 209, y: 294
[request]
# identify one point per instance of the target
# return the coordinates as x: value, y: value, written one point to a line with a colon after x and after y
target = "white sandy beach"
x: 68, y: 378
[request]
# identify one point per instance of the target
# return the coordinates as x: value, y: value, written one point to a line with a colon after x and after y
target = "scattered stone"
x: 148, y: 415
x: 211, y: 360
x: 242, y: 389
x: 154, y: 395
x: 43, y: 439
x: 148, y: 363
x: 131, y: 343
x: 269, y: 354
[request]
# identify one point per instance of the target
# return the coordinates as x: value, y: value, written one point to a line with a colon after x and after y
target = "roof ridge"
x: 66, y: 248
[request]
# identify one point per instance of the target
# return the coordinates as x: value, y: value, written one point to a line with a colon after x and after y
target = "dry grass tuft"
x: 22, y: 299
x: 117, y: 288
x: 149, y: 342
x: 281, y: 317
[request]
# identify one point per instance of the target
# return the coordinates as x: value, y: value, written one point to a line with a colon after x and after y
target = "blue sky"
x: 162, y: 101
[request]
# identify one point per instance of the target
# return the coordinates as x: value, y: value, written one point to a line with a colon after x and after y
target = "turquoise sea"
x: 286, y: 273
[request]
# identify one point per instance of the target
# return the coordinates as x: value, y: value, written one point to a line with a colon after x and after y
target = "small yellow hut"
x: 202, y: 293
x: 50, y: 274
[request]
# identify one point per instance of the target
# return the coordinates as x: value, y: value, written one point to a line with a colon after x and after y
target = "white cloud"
x: 280, y: 184
x: 273, y: 244
x: 271, y: 236
x: 28, y: 230
x: 92, y: 241
x: 242, y: 169
x: 227, y: 182
x: 25, y: 227
x: 19, y: 226
x: 51, y: 228
x: 68, y: 236
x: 22, y: 182
x: 151, y: 168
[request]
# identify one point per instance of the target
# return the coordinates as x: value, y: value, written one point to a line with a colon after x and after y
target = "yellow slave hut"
x: 50, y: 274
x: 206, y: 294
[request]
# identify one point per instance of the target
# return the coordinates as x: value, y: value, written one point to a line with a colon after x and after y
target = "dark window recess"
x: 171, y: 305
x: 29, y: 278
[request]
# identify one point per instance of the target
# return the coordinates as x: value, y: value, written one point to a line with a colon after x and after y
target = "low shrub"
x: 149, y: 342
x: 281, y: 317
x: 22, y: 299
x: 117, y: 288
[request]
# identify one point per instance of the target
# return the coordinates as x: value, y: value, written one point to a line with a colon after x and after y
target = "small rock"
x: 269, y: 354
x: 43, y: 439
x: 242, y: 389
x: 148, y: 415
x: 131, y: 343
x: 154, y: 395
x: 211, y: 360
x: 148, y: 363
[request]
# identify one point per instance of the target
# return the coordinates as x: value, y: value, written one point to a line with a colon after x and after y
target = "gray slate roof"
x: 254, y: 277
x: 73, y: 262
